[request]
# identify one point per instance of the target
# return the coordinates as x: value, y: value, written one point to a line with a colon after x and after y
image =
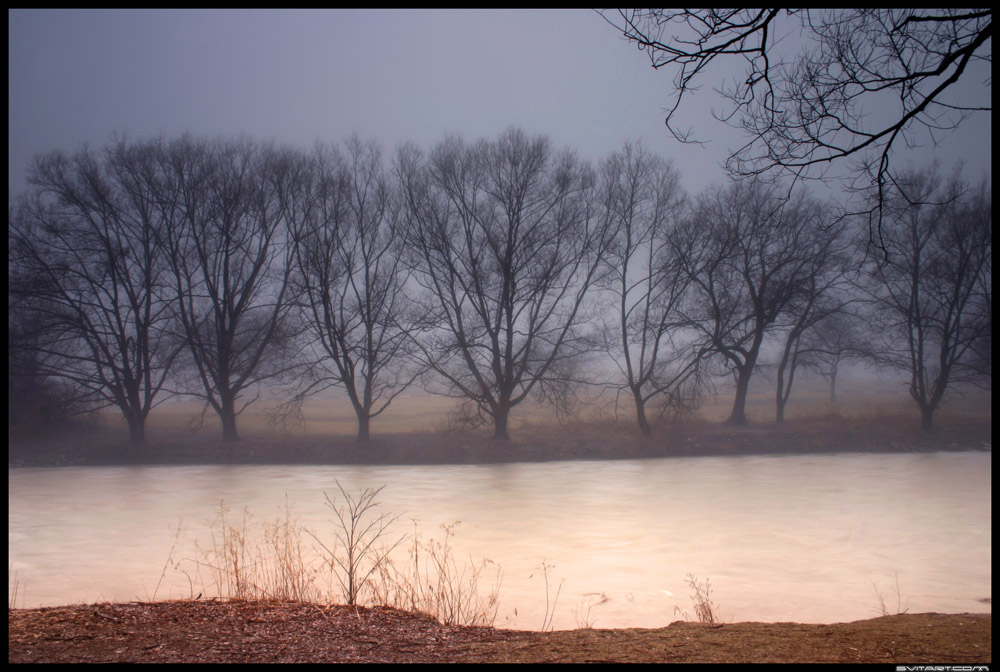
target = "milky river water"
x: 813, y: 539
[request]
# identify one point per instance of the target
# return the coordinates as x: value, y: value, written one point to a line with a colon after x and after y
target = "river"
x: 810, y: 539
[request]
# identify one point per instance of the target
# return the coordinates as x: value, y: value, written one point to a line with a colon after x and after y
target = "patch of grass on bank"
x: 279, y: 560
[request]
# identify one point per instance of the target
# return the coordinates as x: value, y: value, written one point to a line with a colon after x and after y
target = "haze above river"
x: 793, y: 538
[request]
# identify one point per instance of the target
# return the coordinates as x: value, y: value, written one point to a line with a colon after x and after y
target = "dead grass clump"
x: 432, y: 582
x: 247, y: 561
x: 705, y: 610
x: 882, y: 609
x: 269, y: 563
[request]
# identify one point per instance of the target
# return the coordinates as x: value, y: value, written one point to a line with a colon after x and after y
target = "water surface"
x: 781, y: 538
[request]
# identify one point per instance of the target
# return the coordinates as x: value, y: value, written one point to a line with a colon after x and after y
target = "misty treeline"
x: 492, y: 272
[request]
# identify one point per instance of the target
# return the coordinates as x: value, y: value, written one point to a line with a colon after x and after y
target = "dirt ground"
x: 244, y: 632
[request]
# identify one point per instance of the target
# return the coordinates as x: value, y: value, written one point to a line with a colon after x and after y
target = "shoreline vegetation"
x: 92, y: 444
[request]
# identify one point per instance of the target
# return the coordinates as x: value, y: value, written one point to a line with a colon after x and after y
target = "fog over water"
x: 793, y: 538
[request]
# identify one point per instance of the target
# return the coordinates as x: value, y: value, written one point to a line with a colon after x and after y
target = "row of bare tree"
x: 493, y: 272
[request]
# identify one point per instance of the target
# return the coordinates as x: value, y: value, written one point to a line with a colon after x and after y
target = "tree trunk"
x: 927, y: 418
x: 640, y: 412
x: 780, y: 415
x: 739, y: 414
x: 500, y: 418
x: 364, y: 425
x: 136, y: 430
x: 228, y: 417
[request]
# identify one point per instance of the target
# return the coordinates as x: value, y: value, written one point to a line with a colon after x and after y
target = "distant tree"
x: 807, y: 105
x: 36, y: 401
x: 822, y: 294
x: 748, y: 253
x: 231, y: 218
x: 506, y: 249
x: 351, y: 275
x: 91, y: 276
x: 836, y: 338
x: 642, y: 199
x: 932, y: 296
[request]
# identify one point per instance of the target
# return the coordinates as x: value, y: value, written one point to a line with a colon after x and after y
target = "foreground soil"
x: 244, y: 632
x: 89, y: 445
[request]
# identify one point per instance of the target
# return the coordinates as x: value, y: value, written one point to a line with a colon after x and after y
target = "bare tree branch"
x: 822, y: 86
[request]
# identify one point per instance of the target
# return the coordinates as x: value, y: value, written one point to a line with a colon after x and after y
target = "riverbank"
x: 244, y: 632
x: 94, y: 445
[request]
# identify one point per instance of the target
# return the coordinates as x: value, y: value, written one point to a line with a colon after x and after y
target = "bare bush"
x: 360, y: 535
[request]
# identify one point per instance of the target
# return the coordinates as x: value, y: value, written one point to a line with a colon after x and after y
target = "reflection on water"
x: 808, y: 539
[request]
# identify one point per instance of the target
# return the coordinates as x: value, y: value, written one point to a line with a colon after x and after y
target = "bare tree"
x: 507, y: 249
x: 642, y: 199
x: 232, y: 212
x: 932, y: 296
x: 36, y: 400
x: 86, y: 240
x: 350, y: 267
x: 822, y: 294
x: 814, y: 79
x: 747, y: 252
x: 836, y: 338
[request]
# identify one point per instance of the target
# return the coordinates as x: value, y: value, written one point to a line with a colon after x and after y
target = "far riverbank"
x: 93, y: 445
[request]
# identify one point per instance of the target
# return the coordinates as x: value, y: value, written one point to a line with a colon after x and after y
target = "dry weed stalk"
x: 432, y: 583
x: 271, y: 565
x: 550, y: 606
x: 881, y: 599
x: 583, y: 618
x: 169, y: 561
x: 13, y: 587
x: 705, y: 609
x: 359, y: 533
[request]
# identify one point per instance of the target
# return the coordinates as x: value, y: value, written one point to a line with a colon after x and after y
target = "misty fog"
x: 459, y: 326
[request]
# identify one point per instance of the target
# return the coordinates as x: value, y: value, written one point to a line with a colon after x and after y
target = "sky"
x: 297, y: 76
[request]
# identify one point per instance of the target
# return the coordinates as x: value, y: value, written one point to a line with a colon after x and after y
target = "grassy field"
x: 420, y: 429
x: 420, y: 413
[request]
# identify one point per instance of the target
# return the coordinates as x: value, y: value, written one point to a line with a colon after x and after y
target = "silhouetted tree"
x: 36, y: 401
x: 748, y: 253
x: 506, y: 248
x: 838, y: 337
x: 822, y: 293
x: 232, y: 215
x: 351, y: 273
x: 807, y: 104
x: 92, y: 270
x: 932, y: 295
x: 642, y: 199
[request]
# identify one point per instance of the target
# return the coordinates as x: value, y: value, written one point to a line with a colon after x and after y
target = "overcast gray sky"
x: 78, y: 76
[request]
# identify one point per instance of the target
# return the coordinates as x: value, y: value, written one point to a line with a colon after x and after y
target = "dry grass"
x: 432, y: 582
x: 421, y: 413
x: 550, y: 605
x: 273, y: 561
x: 705, y: 610
x: 14, y: 586
x: 266, y: 562
x: 882, y: 609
